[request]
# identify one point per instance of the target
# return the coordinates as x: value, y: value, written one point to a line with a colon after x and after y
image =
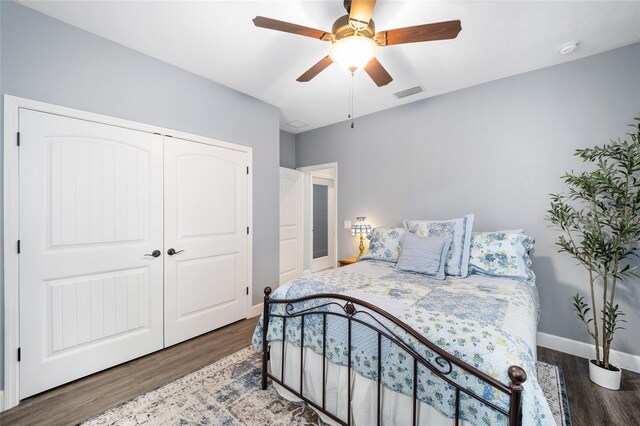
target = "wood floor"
x: 71, y: 403
x: 591, y: 404
x: 84, y: 398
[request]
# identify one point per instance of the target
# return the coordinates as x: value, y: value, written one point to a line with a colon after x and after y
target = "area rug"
x: 552, y: 383
x: 228, y: 393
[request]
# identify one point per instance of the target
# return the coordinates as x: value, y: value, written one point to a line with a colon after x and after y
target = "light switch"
x: 347, y: 224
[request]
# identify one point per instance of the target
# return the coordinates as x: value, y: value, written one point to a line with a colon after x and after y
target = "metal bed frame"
x: 348, y: 309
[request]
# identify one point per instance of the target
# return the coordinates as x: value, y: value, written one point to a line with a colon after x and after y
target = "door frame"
x: 12, y: 105
x: 310, y: 172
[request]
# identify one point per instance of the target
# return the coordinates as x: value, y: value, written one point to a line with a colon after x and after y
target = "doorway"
x: 320, y: 216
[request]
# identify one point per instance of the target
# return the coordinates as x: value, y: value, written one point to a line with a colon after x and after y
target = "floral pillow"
x: 384, y: 244
x: 501, y: 254
x: 458, y: 230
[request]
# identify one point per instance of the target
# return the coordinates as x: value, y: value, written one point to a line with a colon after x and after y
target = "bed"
x: 357, y: 338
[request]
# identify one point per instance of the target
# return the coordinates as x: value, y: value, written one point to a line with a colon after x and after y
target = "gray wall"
x: 48, y: 60
x: 287, y: 150
x: 496, y: 150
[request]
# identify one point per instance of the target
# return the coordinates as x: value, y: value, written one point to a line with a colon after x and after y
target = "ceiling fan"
x: 354, y: 39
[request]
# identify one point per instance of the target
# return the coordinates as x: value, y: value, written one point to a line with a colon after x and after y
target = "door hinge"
x: 247, y: 166
x: 19, y: 354
x: 18, y: 246
x: 247, y: 230
x: 18, y: 139
x: 247, y: 291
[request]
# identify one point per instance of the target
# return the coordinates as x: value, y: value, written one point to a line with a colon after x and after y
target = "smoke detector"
x: 567, y: 48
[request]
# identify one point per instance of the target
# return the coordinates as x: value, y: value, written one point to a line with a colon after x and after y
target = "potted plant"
x: 599, y: 217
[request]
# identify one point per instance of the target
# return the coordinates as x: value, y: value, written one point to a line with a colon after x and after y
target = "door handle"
x: 171, y: 252
x: 156, y: 253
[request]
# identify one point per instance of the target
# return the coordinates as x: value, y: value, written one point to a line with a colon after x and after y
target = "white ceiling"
x: 217, y: 40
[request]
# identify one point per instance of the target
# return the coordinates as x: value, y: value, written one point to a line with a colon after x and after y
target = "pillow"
x: 458, y: 230
x: 501, y: 254
x: 506, y: 231
x: 385, y: 244
x: 424, y: 255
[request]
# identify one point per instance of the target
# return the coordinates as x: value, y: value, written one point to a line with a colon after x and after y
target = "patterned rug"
x: 228, y: 393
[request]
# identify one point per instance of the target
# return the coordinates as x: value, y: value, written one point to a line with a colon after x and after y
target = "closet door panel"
x: 90, y: 209
x: 206, y: 218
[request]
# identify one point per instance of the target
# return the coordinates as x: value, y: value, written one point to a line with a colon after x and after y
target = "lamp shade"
x: 353, y: 52
x: 360, y: 228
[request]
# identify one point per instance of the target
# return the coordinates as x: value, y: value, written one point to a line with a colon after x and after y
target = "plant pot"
x: 607, y: 378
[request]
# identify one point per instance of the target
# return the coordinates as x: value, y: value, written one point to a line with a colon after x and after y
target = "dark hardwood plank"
x: 71, y: 403
x: 590, y: 404
x: 84, y: 398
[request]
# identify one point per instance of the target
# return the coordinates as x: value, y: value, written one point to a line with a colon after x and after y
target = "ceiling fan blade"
x: 360, y: 12
x: 427, y: 32
x: 378, y: 74
x: 288, y: 27
x: 316, y: 69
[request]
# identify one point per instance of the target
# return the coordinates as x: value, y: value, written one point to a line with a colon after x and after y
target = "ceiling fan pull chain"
x: 351, y: 100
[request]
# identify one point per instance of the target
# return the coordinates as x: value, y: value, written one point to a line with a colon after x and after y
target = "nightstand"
x: 347, y: 261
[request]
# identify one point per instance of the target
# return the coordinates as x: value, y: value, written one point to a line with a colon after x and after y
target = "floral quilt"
x: 488, y: 322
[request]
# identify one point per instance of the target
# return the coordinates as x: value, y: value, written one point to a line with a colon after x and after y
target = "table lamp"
x: 361, y: 229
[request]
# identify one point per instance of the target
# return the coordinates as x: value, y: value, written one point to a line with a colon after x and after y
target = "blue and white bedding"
x: 488, y: 322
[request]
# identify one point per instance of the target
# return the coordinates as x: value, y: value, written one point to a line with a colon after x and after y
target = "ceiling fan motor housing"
x: 342, y: 28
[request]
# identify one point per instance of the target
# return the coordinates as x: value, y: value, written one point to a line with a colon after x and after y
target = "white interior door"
x: 291, y: 224
x: 322, y: 224
x: 90, y: 209
x: 206, y: 223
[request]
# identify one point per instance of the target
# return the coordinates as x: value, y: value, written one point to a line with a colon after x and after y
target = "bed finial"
x: 517, y: 375
x: 267, y: 291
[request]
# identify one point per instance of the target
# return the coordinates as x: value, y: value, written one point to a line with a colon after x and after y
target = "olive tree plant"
x: 599, y: 220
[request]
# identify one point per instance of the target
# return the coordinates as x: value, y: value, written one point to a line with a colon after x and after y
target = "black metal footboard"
x: 349, y: 309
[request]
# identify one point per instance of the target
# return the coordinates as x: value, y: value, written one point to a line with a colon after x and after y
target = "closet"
x: 130, y: 242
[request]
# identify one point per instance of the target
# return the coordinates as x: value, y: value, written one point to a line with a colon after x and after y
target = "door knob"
x: 156, y: 253
x: 171, y: 252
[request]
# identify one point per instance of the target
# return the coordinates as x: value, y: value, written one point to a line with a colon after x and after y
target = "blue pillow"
x: 502, y: 254
x: 458, y: 230
x: 384, y: 245
x: 424, y: 255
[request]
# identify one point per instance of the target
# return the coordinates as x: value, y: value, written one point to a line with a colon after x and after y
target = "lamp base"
x: 361, y: 246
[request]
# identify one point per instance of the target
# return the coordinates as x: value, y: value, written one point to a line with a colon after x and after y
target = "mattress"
x: 490, y: 323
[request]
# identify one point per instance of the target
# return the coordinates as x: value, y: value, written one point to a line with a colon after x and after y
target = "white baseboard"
x: 256, y: 310
x: 585, y: 350
x: 1, y: 401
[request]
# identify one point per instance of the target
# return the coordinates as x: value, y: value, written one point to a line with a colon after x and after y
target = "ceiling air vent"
x: 298, y: 124
x: 412, y: 91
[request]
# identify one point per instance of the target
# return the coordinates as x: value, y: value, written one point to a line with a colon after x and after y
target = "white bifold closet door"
x: 206, y: 224
x: 130, y: 242
x: 91, y: 202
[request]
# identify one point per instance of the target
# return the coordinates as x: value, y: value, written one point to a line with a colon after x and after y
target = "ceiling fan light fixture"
x: 353, y: 52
